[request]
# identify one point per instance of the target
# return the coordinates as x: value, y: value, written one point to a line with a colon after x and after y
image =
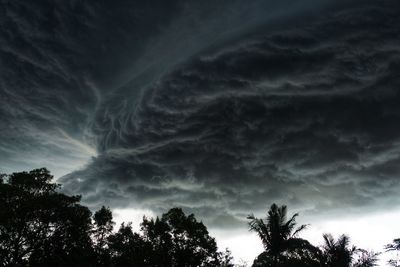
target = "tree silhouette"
x: 226, y: 259
x: 366, y: 259
x: 180, y: 240
x: 103, y: 227
x: 276, y: 232
x: 129, y: 249
x: 339, y: 253
x: 39, y: 226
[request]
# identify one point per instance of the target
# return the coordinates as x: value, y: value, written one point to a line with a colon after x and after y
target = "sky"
x: 219, y: 107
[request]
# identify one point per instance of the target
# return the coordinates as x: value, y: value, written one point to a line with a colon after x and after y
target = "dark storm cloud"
x: 63, y: 62
x: 213, y: 108
x: 58, y: 61
x: 308, y: 116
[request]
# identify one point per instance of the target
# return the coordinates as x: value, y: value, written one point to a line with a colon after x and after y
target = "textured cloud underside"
x: 305, y: 114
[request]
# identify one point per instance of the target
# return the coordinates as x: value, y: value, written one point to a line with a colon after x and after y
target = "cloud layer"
x: 219, y: 109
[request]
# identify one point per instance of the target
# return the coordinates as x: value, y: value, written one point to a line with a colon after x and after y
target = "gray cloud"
x: 219, y: 112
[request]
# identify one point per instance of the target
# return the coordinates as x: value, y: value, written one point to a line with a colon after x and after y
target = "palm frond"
x: 258, y: 226
x: 393, y: 246
x: 343, y: 242
x: 329, y: 241
x: 299, y: 229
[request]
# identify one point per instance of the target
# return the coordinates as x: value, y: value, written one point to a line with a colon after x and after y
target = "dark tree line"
x: 39, y: 226
x: 283, y: 247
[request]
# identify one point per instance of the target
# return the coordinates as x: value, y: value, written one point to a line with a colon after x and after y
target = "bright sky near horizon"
x: 371, y: 232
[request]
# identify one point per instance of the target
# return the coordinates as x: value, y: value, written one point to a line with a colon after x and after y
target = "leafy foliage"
x: 129, y: 249
x: 102, y: 230
x: 337, y: 252
x: 40, y: 226
x: 179, y: 240
x: 366, y: 259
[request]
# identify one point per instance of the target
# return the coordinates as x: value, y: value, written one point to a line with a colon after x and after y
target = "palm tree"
x: 276, y: 232
x: 366, y: 259
x: 338, y: 252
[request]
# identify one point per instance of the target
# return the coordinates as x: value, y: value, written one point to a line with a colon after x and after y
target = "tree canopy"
x: 39, y: 226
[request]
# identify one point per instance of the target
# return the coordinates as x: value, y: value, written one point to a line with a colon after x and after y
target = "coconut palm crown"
x: 276, y: 232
